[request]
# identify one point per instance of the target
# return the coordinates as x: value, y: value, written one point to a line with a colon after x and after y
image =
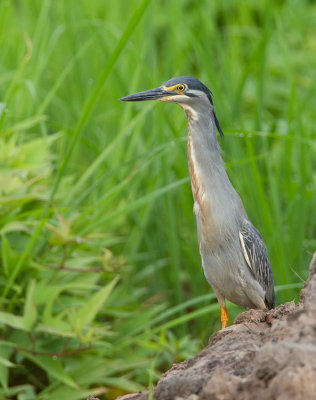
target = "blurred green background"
x: 101, y: 281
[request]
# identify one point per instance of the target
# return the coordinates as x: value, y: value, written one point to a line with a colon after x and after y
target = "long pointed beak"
x: 152, y: 94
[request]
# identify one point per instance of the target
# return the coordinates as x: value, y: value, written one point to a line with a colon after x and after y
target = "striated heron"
x: 234, y: 255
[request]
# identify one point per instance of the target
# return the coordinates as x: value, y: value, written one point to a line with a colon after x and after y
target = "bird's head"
x: 186, y: 91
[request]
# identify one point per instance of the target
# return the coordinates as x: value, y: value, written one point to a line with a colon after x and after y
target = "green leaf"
x: 22, y: 259
x: 30, y: 311
x: 52, y: 367
x: 123, y: 383
x: 27, y: 394
x: 6, y: 255
x: 57, y: 328
x: 14, y: 390
x: 5, y: 364
x: 65, y: 392
x: 15, y: 226
x: 48, y: 295
x: 9, y: 256
x: 87, y: 313
x: 26, y: 124
x: 12, y: 320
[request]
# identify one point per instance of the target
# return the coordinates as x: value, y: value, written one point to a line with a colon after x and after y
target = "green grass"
x: 101, y: 282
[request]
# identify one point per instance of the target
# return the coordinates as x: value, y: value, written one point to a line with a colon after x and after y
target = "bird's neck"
x: 216, y: 204
x: 205, y: 162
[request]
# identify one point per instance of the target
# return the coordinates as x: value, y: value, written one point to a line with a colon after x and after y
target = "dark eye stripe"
x: 191, y: 95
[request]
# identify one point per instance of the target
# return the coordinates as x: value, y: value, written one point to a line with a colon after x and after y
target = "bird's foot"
x: 224, y: 317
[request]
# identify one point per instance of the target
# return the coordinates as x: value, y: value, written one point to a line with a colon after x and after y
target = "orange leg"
x: 224, y: 317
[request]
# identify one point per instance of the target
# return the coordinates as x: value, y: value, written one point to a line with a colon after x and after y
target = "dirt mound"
x: 264, y: 355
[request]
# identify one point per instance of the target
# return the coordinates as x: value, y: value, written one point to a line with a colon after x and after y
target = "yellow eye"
x: 181, y: 88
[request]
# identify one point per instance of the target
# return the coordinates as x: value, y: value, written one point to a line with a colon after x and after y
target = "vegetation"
x: 101, y: 283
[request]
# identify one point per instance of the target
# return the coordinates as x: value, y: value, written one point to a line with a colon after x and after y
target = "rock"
x: 263, y: 355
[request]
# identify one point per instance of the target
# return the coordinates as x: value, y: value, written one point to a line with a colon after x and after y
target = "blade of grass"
x: 98, y: 88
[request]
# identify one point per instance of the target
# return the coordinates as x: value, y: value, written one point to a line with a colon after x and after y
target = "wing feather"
x: 256, y: 257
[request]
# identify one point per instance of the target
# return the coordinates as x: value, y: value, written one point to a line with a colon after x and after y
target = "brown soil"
x: 263, y: 355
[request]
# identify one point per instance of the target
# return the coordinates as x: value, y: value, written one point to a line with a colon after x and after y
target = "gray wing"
x: 256, y: 256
